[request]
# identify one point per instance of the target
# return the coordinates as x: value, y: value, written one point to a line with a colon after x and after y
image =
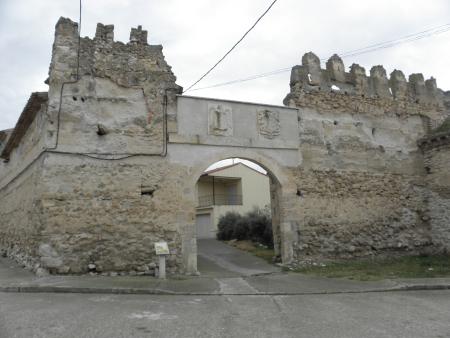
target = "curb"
x: 137, y: 291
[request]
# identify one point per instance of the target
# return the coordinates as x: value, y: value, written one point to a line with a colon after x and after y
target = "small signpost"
x: 162, y: 250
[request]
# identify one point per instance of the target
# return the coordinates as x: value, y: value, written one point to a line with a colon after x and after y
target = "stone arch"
x: 280, y: 192
x: 266, y: 161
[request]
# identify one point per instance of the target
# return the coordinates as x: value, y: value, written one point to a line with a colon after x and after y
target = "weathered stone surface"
x: 108, y: 165
x: 347, y: 214
x: 379, y: 81
x: 336, y: 68
x: 359, y: 79
x: 436, y: 148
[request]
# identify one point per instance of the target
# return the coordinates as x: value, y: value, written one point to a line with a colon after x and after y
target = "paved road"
x: 217, y: 259
x: 392, y: 314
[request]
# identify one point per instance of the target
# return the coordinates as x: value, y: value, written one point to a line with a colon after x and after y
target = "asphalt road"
x: 390, y: 314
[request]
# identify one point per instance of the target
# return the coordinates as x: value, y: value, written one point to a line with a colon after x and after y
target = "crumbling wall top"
x: 128, y: 64
x: 374, y: 89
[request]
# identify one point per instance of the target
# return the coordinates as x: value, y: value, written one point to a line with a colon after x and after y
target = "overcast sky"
x: 196, y: 33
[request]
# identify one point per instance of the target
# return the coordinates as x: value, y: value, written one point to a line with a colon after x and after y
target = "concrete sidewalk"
x: 16, y: 279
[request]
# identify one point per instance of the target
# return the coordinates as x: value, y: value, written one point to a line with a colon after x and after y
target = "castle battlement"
x: 128, y: 64
x: 375, y: 89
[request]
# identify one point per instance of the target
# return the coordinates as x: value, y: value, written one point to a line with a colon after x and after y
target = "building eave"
x: 23, y: 123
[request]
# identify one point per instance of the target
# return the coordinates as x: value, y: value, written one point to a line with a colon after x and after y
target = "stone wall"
x: 20, y: 224
x: 88, y: 182
x: 20, y: 173
x: 346, y: 214
x: 334, y: 90
x: 109, y: 163
x: 436, y: 148
x: 110, y: 213
x: 361, y: 182
x: 122, y: 91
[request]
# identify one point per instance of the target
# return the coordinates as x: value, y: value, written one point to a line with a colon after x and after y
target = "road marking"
x: 152, y: 316
x: 235, y: 286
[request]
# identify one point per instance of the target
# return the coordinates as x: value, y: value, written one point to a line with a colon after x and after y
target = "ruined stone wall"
x: 334, y: 90
x: 100, y: 85
x: 436, y: 149
x: 88, y: 183
x: 347, y: 214
x: 20, y: 223
x: 110, y: 213
x: 361, y: 180
x: 107, y: 192
x: 110, y: 163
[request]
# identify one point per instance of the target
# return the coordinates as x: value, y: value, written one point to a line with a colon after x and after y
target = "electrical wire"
x: 231, y: 49
x: 79, y: 45
x: 355, y: 52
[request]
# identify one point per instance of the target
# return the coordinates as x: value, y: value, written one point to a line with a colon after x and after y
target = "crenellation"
x: 398, y: 84
x: 417, y: 87
x: 66, y: 28
x: 336, y: 69
x: 333, y: 89
x: 139, y: 36
x: 128, y: 64
x: 359, y: 79
x: 314, y: 76
x: 379, y: 82
x: 431, y: 88
x: 104, y: 33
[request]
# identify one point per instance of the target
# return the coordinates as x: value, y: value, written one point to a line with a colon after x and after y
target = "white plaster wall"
x: 122, y: 111
x: 350, y: 141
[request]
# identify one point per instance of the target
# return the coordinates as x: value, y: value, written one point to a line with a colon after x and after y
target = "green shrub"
x: 255, y: 225
x: 241, y: 229
x: 226, y: 225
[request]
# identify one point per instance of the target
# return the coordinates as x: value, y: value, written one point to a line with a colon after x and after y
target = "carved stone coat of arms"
x: 269, y: 123
x: 220, y: 120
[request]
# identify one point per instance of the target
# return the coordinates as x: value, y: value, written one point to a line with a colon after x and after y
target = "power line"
x: 231, y: 49
x: 401, y: 38
x: 364, y: 50
x: 405, y: 39
x: 79, y: 44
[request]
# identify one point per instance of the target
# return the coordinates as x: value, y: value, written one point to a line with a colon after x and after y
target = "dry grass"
x: 256, y: 249
x: 403, y: 267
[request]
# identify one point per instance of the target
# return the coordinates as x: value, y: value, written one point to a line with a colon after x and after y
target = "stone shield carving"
x: 220, y: 120
x: 269, y: 123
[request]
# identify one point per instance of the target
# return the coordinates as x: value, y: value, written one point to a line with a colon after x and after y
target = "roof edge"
x: 27, y: 117
x: 230, y: 166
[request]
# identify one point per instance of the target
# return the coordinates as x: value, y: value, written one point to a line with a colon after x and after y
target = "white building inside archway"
x: 235, y: 187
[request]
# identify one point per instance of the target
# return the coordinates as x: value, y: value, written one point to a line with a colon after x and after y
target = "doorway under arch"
x: 237, y: 185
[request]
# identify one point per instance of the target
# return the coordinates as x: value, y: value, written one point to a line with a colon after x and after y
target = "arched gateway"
x: 105, y: 163
x: 279, y: 193
x: 264, y: 134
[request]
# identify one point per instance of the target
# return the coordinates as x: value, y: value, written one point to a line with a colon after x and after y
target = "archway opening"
x: 238, y: 205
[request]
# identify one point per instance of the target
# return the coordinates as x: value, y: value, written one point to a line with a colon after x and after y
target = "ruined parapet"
x: 137, y: 35
x: 379, y: 82
x: 79, y: 65
x: 129, y: 64
x: 104, y: 33
x: 336, y: 68
x: 333, y: 90
x: 399, y: 85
